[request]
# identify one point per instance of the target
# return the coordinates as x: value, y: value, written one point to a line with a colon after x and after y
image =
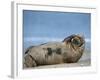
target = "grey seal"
x: 69, y: 50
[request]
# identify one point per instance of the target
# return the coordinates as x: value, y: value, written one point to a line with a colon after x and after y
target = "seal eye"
x: 76, y: 41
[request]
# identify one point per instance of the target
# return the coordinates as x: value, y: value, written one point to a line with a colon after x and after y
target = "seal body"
x: 69, y: 50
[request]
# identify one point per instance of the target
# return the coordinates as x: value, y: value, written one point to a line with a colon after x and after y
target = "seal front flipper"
x: 29, y: 61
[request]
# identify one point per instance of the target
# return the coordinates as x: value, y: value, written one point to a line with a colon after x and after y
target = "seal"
x: 69, y: 50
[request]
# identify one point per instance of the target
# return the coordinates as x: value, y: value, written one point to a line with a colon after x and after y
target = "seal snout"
x: 77, y: 40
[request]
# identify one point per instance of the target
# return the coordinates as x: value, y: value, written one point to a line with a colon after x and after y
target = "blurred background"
x: 45, y: 26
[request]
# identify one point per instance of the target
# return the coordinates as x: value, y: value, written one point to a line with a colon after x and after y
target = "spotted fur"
x: 69, y: 50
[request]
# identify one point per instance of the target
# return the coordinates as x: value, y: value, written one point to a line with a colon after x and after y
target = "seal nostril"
x: 76, y: 42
